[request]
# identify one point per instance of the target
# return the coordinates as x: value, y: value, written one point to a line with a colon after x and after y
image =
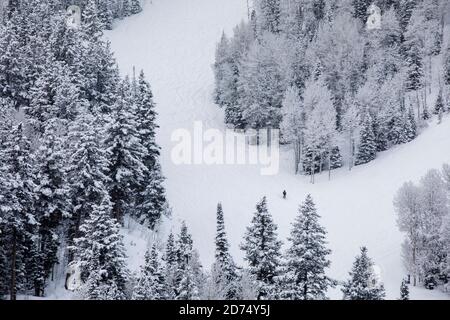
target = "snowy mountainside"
x: 174, y: 41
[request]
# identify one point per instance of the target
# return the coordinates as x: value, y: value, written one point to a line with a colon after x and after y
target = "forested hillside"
x: 77, y: 152
x: 339, y: 86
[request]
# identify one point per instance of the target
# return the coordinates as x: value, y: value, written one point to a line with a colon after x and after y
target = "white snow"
x: 174, y: 42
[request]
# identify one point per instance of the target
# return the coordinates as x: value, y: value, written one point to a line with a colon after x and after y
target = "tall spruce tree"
x: 367, y: 149
x: 363, y: 284
x: 269, y: 14
x: 52, y: 196
x: 135, y: 6
x: 87, y: 167
x: 151, y: 283
x: 126, y: 153
x: 170, y: 262
x: 262, y: 250
x: 404, y: 291
x: 186, y: 278
x: 360, y: 9
x: 151, y: 202
x: 306, y: 258
x: 224, y: 262
x: 91, y: 23
x: 447, y: 66
x: 439, y: 105
x: 99, y: 253
x: 19, y: 224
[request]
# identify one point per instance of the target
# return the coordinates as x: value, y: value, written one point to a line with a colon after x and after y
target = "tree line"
x: 298, y: 273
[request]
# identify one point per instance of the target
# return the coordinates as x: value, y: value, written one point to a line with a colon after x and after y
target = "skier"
x: 284, y: 194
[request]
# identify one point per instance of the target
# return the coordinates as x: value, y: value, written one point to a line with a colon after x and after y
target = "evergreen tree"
x: 170, y: 262
x: 363, y: 284
x: 87, y: 167
x: 135, y: 6
x: 262, y: 250
x: 447, y: 66
x: 404, y: 291
x: 126, y: 8
x: 306, y: 258
x: 439, y: 106
x: 414, y: 61
x: 269, y: 13
x: 99, y: 253
x: 336, y: 161
x: 411, y: 126
x: 151, y: 284
x: 18, y: 222
x: 224, y: 262
x: 367, y: 149
x: 105, y: 14
x: 405, y: 9
x: 51, y: 199
x: 360, y: 9
x: 92, y: 26
x: 151, y: 200
x: 425, y: 113
x: 186, y: 274
x: 103, y: 80
x: 126, y: 153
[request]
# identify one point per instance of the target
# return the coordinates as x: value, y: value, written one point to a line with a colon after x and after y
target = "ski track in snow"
x: 174, y: 42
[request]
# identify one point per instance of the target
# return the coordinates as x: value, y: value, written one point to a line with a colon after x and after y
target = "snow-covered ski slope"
x: 174, y: 42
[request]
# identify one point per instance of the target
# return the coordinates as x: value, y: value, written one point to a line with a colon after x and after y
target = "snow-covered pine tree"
x: 87, y: 167
x: 126, y: 153
x: 262, y: 250
x: 404, y: 11
x: 103, y: 80
x: 151, y: 284
x: 18, y: 226
x: 411, y: 126
x: 439, y: 105
x: 268, y: 12
x: 11, y: 56
x: 105, y: 13
x: 170, y: 262
x: 126, y: 8
x: 99, y: 253
x: 336, y: 161
x: 91, y: 23
x: 367, y: 149
x: 186, y: 273
x: 404, y: 291
x: 135, y: 6
x: 360, y: 9
x: 363, y: 284
x: 221, y: 70
x: 306, y: 258
x: 447, y: 66
x: 414, y: 61
x: 52, y: 197
x: 151, y: 202
x: 224, y: 262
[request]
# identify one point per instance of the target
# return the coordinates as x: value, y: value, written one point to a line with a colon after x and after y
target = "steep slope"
x: 174, y: 42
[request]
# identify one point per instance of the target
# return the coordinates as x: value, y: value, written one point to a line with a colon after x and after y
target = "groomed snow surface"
x: 174, y: 42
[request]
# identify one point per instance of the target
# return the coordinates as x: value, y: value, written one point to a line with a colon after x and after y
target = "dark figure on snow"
x: 284, y: 194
